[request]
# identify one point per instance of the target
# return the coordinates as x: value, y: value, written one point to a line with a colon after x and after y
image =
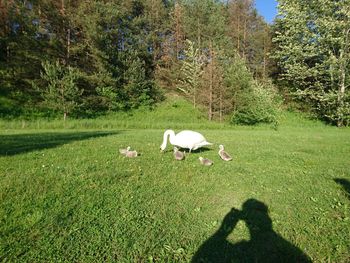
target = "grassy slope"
x: 68, y: 195
x: 175, y: 112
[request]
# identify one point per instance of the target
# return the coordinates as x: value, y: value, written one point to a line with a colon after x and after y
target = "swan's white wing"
x: 188, y: 139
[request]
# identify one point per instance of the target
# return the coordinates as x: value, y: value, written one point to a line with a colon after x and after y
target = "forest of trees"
x: 85, y: 58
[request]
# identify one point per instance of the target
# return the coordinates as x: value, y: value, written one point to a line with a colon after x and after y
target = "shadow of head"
x: 255, y: 214
x: 345, y: 183
x: 253, y: 205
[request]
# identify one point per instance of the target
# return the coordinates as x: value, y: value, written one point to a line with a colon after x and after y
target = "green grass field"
x: 68, y: 195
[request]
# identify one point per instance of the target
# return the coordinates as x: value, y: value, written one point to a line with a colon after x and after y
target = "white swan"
x: 185, y: 139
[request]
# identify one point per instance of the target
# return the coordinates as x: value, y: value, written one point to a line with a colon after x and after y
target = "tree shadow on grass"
x: 265, y: 245
x: 20, y: 143
x: 345, y: 184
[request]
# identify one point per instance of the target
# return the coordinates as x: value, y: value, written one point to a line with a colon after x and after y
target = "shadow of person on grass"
x: 265, y: 245
x: 20, y: 143
x: 345, y: 184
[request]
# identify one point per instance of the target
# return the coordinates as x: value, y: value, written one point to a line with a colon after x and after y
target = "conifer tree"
x: 60, y: 91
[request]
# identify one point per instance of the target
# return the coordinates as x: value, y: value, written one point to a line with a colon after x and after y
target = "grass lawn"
x: 68, y: 195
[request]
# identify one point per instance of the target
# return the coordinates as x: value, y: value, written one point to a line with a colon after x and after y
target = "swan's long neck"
x: 167, y: 133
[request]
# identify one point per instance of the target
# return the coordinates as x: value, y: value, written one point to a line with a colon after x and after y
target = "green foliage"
x: 119, y: 48
x: 253, y: 102
x: 122, y: 50
x: 109, y: 97
x: 237, y: 76
x: 205, y: 22
x: 8, y: 107
x: 107, y: 42
x: 313, y: 44
x: 140, y: 89
x: 327, y: 105
x: 191, y: 70
x: 60, y: 91
x: 250, y: 36
x: 258, y: 105
x: 20, y: 57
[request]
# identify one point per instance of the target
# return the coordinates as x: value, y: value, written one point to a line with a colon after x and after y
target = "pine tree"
x: 61, y: 92
x: 21, y: 51
x: 157, y: 19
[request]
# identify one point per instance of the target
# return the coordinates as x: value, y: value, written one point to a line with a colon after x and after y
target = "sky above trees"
x: 267, y: 8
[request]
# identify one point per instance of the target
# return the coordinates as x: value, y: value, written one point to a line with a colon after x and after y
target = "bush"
x: 253, y: 102
x: 327, y: 106
x: 259, y: 104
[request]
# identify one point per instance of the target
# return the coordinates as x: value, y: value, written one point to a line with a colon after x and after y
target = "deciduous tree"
x: 313, y: 54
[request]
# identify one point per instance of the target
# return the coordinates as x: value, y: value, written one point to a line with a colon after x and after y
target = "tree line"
x: 84, y: 58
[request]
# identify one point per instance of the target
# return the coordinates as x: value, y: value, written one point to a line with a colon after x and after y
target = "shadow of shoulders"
x: 265, y: 245
x: 26, y: 142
